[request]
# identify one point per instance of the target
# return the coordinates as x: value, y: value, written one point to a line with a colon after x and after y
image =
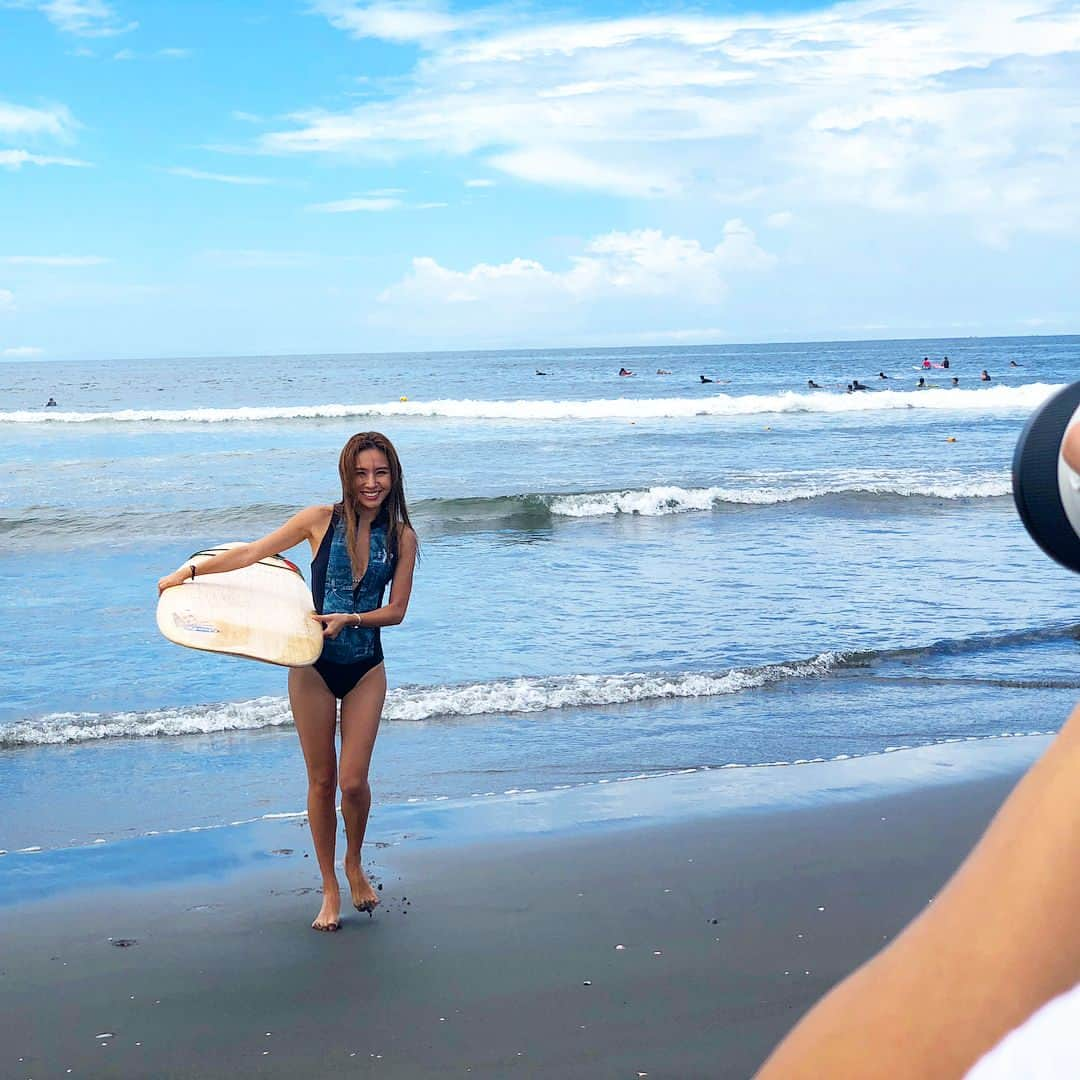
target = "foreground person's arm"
x: 997, y: 942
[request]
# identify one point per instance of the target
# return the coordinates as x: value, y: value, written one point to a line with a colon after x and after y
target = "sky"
x: 204, y: 178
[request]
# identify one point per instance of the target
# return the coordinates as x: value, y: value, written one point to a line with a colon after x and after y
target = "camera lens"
x: 1045, y: 488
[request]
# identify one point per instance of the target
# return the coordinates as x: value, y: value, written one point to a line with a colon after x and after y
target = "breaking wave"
x: 990, y: 399
x: 527, y: 694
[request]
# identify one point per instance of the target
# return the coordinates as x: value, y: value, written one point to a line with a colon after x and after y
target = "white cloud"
x: 85, y: 18
x: 479, y: 183
x: 7, y: 300
x: 399, y: 22
x: 643, y: 263
x: 16, y: 159
x: 780, y: 220
x: 926, y: 107
x: 16, y: 351
x: 174, y: 54
x: 21, y: 120
x: 560, y: 167
x: 220, y: 178
x: 364, y: 204
x: 52, y: 260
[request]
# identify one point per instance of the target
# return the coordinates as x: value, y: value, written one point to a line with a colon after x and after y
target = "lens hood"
x: 1045, y: 488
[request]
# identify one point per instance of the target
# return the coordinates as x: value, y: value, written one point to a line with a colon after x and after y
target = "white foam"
x: 521, y: 695
x: 661, y: 500
x: 984, y: 399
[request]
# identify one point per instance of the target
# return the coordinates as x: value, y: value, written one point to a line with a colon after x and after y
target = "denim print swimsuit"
x: 334, y: 591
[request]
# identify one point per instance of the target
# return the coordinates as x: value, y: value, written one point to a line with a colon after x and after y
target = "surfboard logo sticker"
x: 186, y: 620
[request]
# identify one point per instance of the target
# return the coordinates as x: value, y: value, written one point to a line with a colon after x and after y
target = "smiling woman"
x: 360, y: 545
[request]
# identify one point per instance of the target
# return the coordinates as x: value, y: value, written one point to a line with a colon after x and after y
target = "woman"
x: 358, y: 546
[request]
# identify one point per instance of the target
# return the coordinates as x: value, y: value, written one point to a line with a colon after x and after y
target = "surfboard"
x: 261, y: 612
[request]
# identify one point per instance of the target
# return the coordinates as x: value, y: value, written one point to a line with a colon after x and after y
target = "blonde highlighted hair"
x: 393, y: 512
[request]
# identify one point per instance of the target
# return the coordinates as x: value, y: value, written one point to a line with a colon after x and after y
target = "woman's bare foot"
x: 329, y: 917
x: 364, y: 897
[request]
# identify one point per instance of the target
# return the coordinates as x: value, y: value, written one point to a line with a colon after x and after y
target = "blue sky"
x: 238, y: 178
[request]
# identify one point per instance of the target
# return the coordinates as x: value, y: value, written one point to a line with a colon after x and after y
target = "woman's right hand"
x: 177, y: 577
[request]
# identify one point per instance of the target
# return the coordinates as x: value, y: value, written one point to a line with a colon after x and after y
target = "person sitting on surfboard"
x: 359, y: 545
x: 926, y: 362
x: 51, y: 402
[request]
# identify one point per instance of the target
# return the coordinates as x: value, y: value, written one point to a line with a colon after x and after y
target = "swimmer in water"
x: 703, y: 379
x: 856, y: 385
x: 921, y: 384
x: 50, y: 402
x: 539, y: 372
x: 813, y: 385
x: 956, y: 380
x: 985, y: 376
x: 882, y: 375
x: 624, y: 371
x: 662, y: 371
x: 1013, y: 363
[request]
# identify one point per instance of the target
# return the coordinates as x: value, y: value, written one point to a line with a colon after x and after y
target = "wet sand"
x: 488, y: 958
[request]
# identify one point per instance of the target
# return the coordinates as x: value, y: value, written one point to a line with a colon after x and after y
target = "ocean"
x: 622, y: 577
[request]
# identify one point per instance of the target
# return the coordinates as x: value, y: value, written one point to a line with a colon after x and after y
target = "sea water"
x: 621, y: 576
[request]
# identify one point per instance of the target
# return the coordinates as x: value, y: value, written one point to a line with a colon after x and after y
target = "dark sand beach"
x: 684, y: 948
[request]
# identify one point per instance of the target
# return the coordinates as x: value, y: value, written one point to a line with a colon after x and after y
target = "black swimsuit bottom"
x: 341, y: 678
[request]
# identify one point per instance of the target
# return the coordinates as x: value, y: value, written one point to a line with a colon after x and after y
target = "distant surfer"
x: 539, y: 372
x: 945, y: 363
x: 813, y: 385
x: 1013, y: 363
x: 625, y: 371
x: 50, y: 403
x: 703, y: 379
x: 882, y: 375
x: 662, y: 371
x: 856, y: 385
x: 921, y: 384
x: 360, y: 545
x: 926, y: 362
x: 985, y: 376
x: 956, y: 380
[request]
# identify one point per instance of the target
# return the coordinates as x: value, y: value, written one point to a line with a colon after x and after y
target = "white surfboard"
x: 262, y: 612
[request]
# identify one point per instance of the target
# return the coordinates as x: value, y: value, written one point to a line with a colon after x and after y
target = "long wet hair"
x: 393, y: 513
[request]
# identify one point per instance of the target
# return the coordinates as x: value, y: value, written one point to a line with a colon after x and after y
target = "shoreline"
x: 495, y: 952
x: 170, y: 856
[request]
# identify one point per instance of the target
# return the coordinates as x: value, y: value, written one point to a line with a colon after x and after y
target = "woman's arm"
x: 997, y: 942
x: 308, y: 524
x: 393, y: 612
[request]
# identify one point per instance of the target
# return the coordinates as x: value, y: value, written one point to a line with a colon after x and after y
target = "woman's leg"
x: 314, y: 710
x: 361, y: 709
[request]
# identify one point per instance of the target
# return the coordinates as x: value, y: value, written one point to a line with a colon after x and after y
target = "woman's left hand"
x: 334, y: 623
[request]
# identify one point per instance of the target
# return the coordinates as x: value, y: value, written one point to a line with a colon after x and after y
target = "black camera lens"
x: 1046, y: 489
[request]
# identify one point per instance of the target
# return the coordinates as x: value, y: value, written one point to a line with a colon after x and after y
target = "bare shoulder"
x: 314, y: 520
x: 407, y: 541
